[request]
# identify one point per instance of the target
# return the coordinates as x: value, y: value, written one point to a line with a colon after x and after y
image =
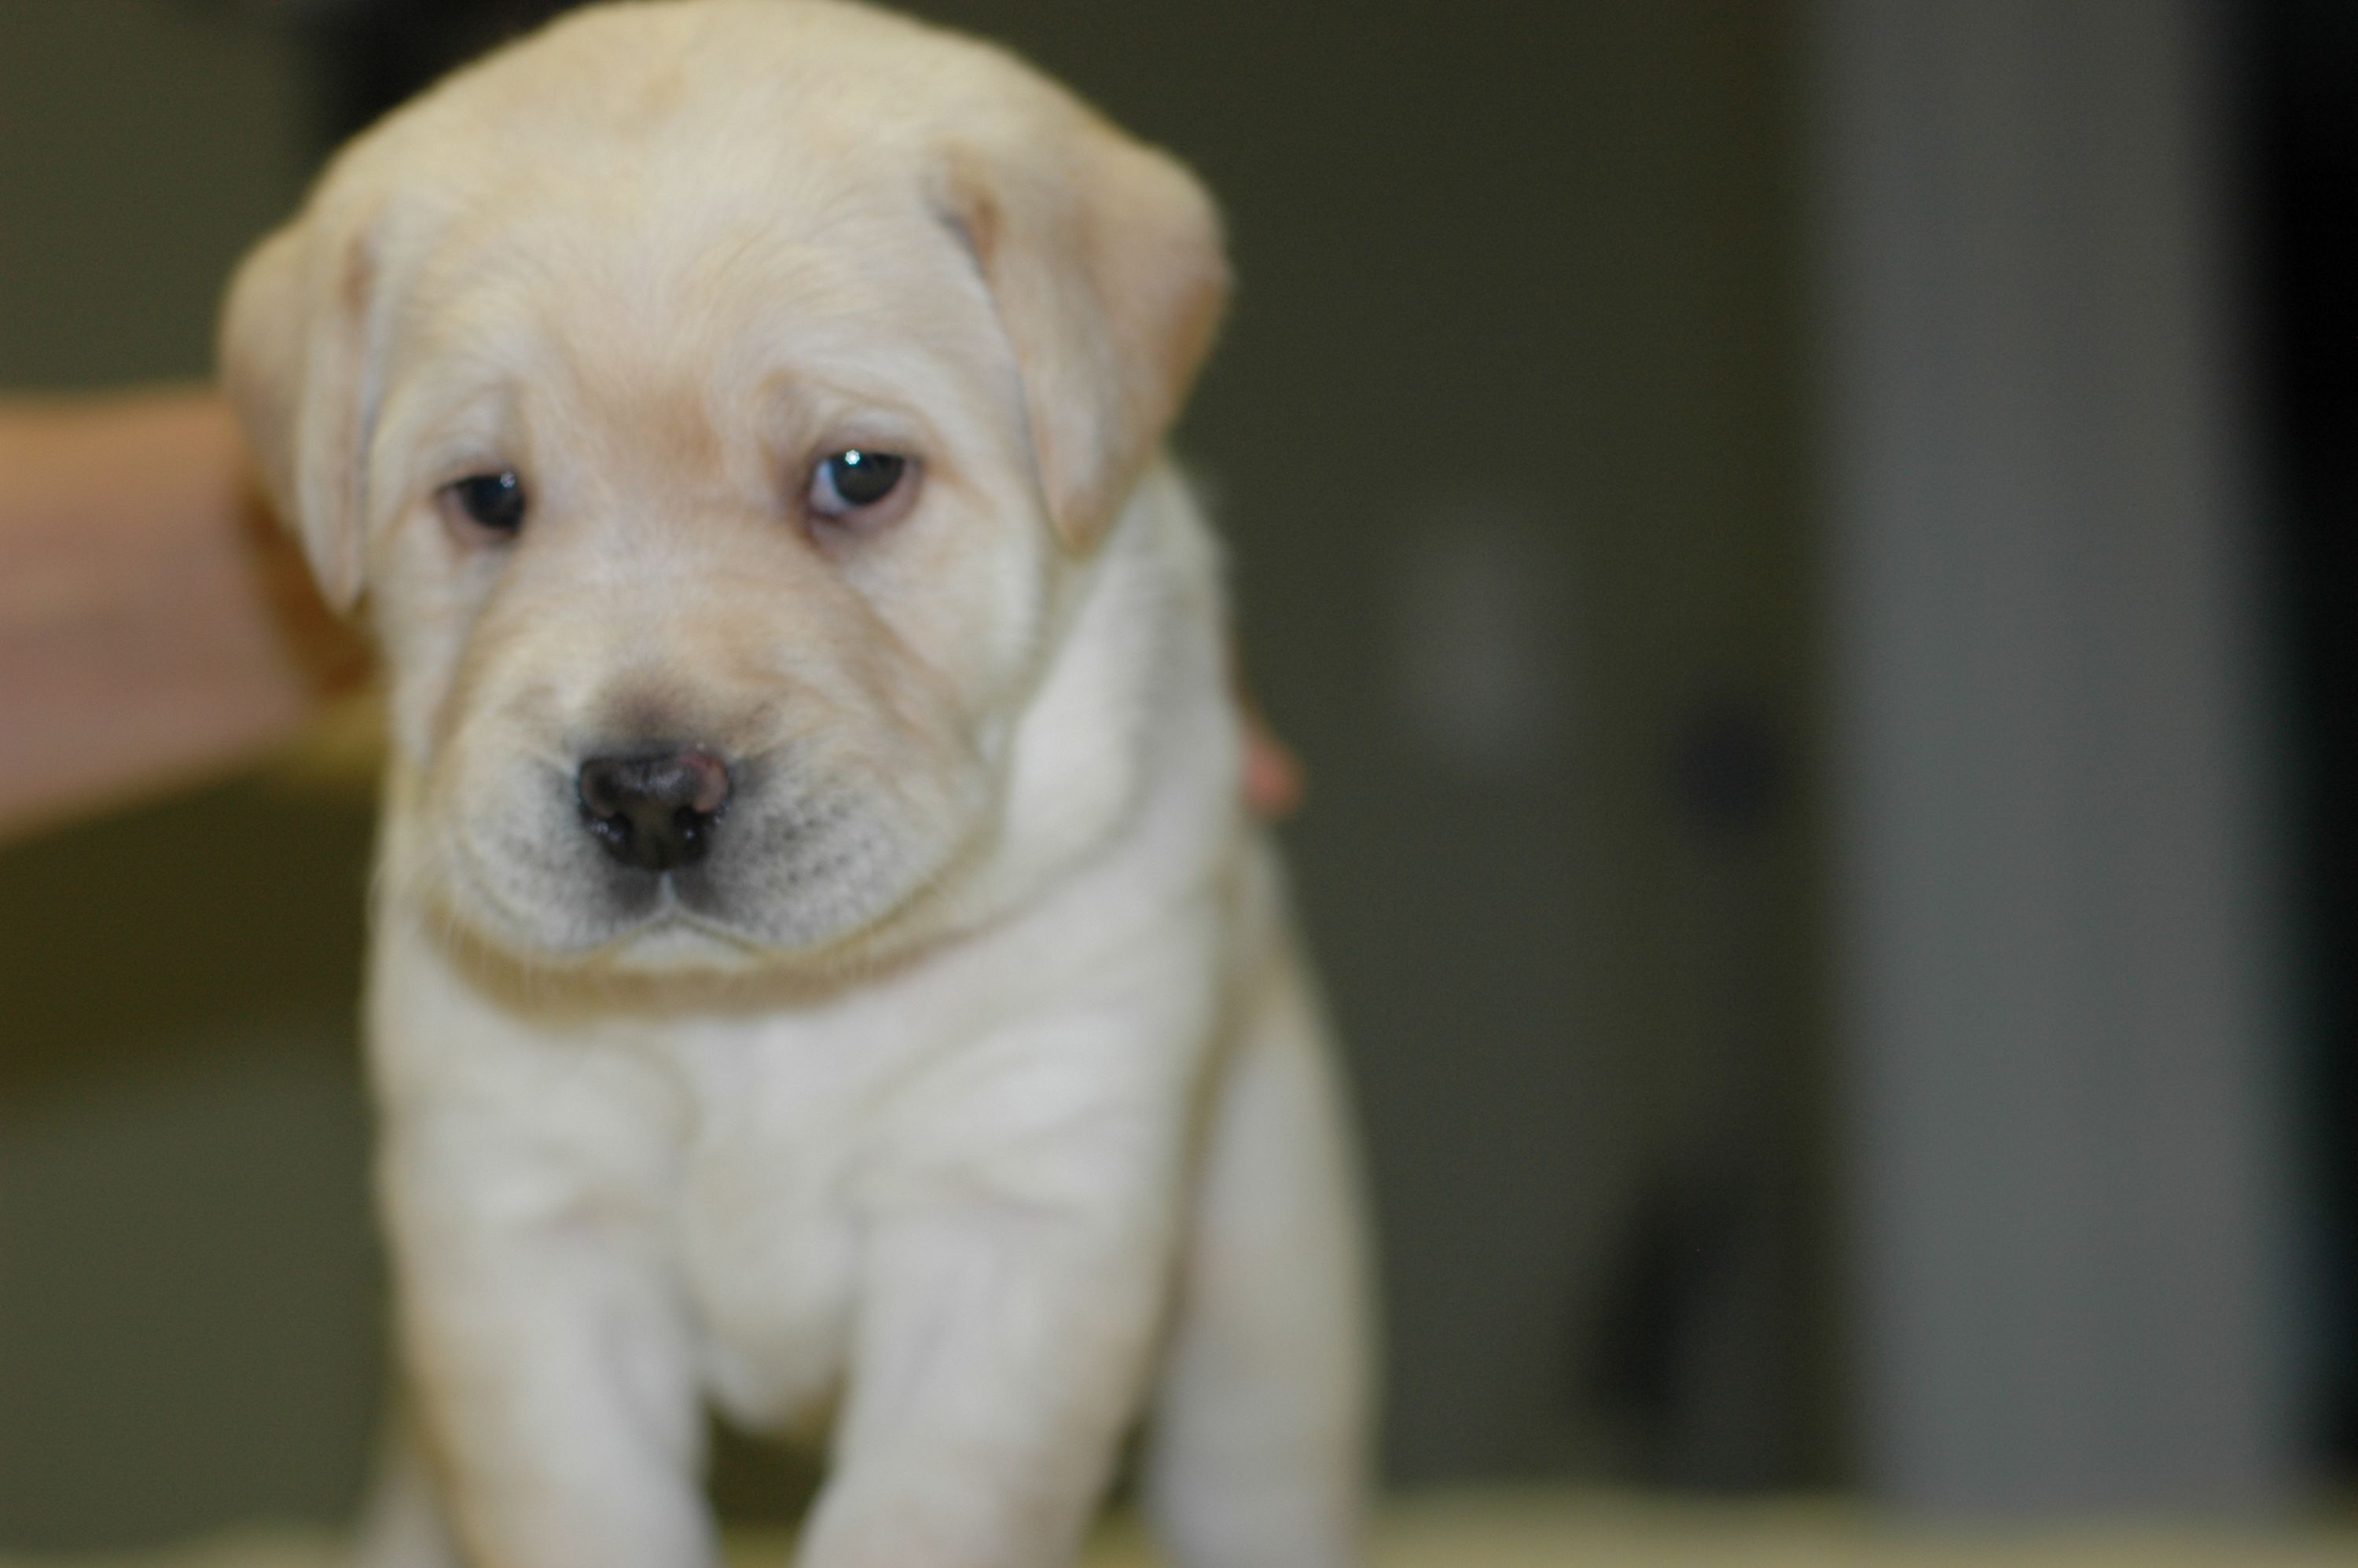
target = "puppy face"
x: 673, y: 581
x: 716, y: 403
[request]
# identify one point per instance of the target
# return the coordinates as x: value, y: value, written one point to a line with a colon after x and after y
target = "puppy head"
x: 711, y: 403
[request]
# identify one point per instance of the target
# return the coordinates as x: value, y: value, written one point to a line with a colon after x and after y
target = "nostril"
x: 655, y: 811
x: 605, y: 790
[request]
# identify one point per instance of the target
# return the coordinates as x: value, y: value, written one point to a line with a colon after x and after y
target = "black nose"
x: 654, y: 812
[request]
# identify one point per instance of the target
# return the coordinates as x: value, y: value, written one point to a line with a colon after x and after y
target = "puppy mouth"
x: 672, y: 922
x: 538, y: 896
x: 736, y: 908
x: 693, y: 899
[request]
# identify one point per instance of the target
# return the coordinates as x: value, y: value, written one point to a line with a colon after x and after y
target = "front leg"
x: 999, y: 1361
x: 548, y: 1358
x: 1261, y: 1438
x: 1011, y: 1296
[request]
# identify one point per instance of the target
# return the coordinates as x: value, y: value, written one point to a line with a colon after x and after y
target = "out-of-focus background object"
x: 1807, y: 544
x: 2069, y: 1072
x: 1526, y: 1527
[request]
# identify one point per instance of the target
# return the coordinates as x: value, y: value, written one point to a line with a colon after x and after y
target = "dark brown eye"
x: 492, y: 501
x: 854, y: 478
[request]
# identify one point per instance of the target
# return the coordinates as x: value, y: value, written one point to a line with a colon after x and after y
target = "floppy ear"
x: 1104, y: 258
x: 294, y: 359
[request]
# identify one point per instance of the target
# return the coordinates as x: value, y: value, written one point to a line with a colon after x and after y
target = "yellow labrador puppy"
x: 820, y: 965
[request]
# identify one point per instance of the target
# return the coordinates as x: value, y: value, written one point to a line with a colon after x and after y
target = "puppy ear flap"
x: 1105, y: 261
x: 295, y: 363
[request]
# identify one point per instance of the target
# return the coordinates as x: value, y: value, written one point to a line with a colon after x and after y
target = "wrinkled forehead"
x: 682, y: 269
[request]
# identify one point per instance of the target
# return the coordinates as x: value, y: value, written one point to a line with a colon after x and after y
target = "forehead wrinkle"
x: 647, y: 335
x: 807, y: 229
x: 460, y: 357
x: 785, y: 333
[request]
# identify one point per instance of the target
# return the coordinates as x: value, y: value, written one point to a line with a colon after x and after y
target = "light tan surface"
x: 1542, y: 1529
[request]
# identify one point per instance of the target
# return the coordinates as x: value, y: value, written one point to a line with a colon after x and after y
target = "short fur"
x: 970, y: 1095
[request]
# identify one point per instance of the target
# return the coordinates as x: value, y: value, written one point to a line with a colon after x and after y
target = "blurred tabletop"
x: 1568, y: 1529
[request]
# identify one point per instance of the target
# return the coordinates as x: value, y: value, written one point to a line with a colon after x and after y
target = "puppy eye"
x: 854, y: 480
x: 492, y: 501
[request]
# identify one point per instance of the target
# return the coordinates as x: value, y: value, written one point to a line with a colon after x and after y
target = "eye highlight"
x: 493, y: 501
x: 855, y: 480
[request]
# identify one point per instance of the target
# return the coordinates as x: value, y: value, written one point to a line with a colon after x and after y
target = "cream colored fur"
x: 970, y: 1097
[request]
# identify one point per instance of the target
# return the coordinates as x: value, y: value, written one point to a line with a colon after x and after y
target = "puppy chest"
x: 766, y: 1256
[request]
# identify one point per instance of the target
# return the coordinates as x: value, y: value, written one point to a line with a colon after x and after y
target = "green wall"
x: 188, y: 1328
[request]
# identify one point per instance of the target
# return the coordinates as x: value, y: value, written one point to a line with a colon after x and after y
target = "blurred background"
x: 1808, y: 545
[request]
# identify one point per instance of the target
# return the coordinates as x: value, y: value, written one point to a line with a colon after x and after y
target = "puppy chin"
x: 672, y: 944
